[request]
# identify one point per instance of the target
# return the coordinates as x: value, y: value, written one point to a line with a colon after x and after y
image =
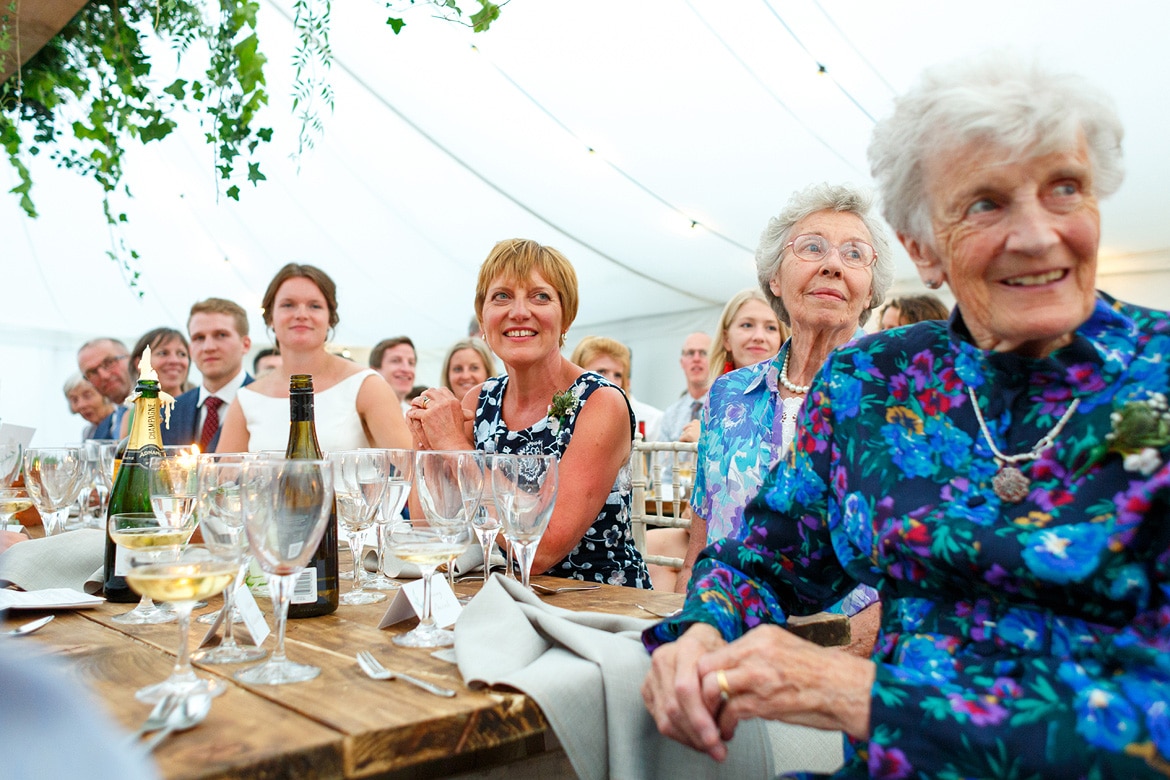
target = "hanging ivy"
x: 88, y: 93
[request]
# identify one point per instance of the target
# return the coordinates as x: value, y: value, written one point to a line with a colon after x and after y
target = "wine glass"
x: 525, y: 488
x: 11, y: 458
x: 447, y: 533
x: 286, y: 508
x: 181, y: 575
x: 221, y: 517
x: 471, y: 490
x: 132, y: 531
x: 98, y: 455
x: 359, y: 479
x: 394, y: 497
x: 486, y: 521
x: 53, y: 477
x: 13, y: 500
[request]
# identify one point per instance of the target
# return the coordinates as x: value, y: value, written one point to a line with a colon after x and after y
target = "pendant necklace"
x: 1009, y: 482
x: 798, y: 389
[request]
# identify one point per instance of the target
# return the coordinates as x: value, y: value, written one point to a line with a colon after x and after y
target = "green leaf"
x: 396, y: 24
x: 177, y: 89
x: 482, y: 19
x: 254, y: 174
x: 233, y: 192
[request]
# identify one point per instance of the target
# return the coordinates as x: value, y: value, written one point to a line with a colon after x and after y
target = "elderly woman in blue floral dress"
x: 1002, y: 479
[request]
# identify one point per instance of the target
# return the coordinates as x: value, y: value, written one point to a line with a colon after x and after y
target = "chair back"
x: 661, y: 476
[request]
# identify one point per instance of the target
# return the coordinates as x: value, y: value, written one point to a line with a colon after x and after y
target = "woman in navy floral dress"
x: 526, y: 299
x: 1002, y: 480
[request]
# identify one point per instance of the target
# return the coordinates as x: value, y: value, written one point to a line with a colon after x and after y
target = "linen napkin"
x: 585, y: 670
x: 75, y: 559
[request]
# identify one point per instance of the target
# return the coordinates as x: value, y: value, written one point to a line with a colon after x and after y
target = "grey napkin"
x: 69, y: 560
x: 585, y: 670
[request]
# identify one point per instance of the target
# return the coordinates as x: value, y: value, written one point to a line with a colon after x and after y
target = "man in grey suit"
x: 104, y: 363
x: 218, y: 330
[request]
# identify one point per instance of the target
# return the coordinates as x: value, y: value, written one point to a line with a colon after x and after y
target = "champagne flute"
x: 486, y: 521
x: 53, y: 477
x: 286, y: 508
x: 471, y: 490
x: 359, y: 480
x: 99, y: 478
x: 221, y: 516
x: 393, y: 500
x: 446, y: 535
x: 182, y: 575
x: 525, y: 489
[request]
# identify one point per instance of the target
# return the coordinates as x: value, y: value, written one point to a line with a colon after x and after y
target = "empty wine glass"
x: 359, y: 479
x: 11, y: 459
x: 525, y: 490
x: 398, y: 482
x: 221, y: 517
x: 286, y: 508
x: 53, y: 477
x: 486, y: 521
x: 181, y: 575
x: 446, y: 535
x: 98, y: 455
x: 471, y: 489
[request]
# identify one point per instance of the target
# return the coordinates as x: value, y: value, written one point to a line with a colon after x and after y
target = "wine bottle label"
x: 121, y: 561
x: 305, y: 589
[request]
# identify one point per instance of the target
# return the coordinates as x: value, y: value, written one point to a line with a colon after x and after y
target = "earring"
x: 933, y: 284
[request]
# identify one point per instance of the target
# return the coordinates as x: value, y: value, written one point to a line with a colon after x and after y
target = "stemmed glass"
x: 447, y: 534
x: 53, y: 477
x: 181, y: 575
x: 471, y: 490
x: 525, y: 488
x: 11, y: 458
x: 221, y: 517
x: 487, y: 522
x: 394, y: 497
x: 286, y: 508
x: 13, y: 500
x: 98, y: 455
x: 359, y: 480
x: 133, y: 531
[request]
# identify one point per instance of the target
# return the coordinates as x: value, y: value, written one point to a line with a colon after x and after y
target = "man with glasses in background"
x: 677, y: 418
x: 104, y: 362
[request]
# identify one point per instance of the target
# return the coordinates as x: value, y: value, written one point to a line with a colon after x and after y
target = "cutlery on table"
x: 657, y: 613
x: 553, y: 591
x: 158, y: 716
x: 30, y: 626
x: 189, y: 713
x: 376, y: 671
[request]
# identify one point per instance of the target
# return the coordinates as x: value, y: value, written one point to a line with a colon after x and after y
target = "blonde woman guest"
x: 468, y: 364
x: 610, y: 358
x: 354, y: 407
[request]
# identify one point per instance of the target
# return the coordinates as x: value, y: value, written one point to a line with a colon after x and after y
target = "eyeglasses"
x: 813, y: 248
x: 105, y: 365
x: 694, y: 353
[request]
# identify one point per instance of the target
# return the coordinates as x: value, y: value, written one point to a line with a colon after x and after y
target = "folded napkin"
x: 70, y: 560
x: 585, y: 671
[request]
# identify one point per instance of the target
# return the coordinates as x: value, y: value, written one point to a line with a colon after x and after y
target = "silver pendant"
x: 1010, y: 484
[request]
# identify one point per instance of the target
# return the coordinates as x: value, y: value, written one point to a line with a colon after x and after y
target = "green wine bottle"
x: 316, y: 590
x: 131, y: 490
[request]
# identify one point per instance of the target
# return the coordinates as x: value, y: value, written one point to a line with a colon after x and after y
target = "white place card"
x: 408, y: 603
x: 50, y: 598
x: 253, y: 618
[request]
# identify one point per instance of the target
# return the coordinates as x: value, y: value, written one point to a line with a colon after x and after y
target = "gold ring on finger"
x: 724, y: 690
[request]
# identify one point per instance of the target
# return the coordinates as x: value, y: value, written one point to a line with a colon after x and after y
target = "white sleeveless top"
x: 339, y: 426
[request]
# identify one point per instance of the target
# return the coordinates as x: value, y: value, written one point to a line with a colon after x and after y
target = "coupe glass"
x: 221, y: 517
x: 359, y: 480
x: 286, y: 508
x: 393, y: 500
x: 525, y: 489
x: 133, y: 531
x: 446, y: 535
x: 181, y: 575
x: 53, y: 478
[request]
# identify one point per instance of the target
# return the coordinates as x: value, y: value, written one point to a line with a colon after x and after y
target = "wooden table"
x: 340, y: 725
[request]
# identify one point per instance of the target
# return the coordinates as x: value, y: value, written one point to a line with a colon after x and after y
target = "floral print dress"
x: 1026, y: 639
x: 606, y: 553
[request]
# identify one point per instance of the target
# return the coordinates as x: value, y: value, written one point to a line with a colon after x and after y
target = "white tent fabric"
x: 703, y: 111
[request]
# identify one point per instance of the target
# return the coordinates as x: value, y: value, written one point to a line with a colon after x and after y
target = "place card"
x: 408, y: 603
x: 253, y: 618
x: 50, y: 598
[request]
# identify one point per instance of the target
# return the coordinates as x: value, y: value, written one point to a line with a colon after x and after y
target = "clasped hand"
x: 438, y: 421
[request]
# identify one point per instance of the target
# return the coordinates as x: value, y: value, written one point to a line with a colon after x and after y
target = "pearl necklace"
x: 1009, y: 482
x: 798, y: 389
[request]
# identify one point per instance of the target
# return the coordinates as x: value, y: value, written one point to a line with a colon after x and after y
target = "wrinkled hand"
x: 682, y: 703
x: 776, y: 675
x: 437, y: 421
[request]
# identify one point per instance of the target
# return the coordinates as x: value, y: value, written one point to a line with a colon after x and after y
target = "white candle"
x: 145, y: 369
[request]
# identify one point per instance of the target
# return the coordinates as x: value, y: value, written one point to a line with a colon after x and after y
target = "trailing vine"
x: 88, y: 92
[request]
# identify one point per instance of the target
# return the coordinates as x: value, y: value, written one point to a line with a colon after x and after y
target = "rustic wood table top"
x: 340, y: 725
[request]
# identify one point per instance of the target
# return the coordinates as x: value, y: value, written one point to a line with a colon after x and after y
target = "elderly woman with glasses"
x: 823, y: 265
x: 1002, y: 479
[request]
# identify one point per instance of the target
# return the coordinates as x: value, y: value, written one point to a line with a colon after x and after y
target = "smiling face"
x: 1017, y: 243
x: 466, y: 371
x: 398, y: 367
x: 522, y: 319
x: 301, y: 317
x: 826, y: 295
x: 89, y: 403
x: 106, y: 366
x: 171, y: 362
x: 754, y: 334
x: 217, y: 347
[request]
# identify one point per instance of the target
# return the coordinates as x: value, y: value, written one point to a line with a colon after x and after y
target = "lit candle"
x: 145, y: 369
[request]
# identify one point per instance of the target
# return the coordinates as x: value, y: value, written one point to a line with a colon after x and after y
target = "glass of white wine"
x: 13, y: 500
x: 525, y: 491
x: 181, y: 575
x: 359, y: 479
x: 447, y: 533
x: 398, y: 484
x: 134, y: 531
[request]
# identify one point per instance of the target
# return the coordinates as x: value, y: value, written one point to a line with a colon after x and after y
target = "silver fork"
x: 376, y: 671
x: 659, y: 613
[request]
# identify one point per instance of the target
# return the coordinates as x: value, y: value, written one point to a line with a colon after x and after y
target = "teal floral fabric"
x: 1023, y: 640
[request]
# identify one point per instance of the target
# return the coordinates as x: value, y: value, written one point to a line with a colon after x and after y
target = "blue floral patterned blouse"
x: 606, y: 553
x: 1027, y: 639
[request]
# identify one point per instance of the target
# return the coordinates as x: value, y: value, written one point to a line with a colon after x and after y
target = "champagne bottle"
x: 131, y: 490
x: 316, y: 590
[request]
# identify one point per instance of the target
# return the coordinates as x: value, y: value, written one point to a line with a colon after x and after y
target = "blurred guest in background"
x: 354, y: 407
x: 680, y: 420
x: 395, y: 359
x: 104, y: 362
x: 468, y: 364
x: 84, y: 399
x: 267, y: 359
x: 910, y: 309
x: 170, y: 357
x: 749, y: 332
x: 611, y: 359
